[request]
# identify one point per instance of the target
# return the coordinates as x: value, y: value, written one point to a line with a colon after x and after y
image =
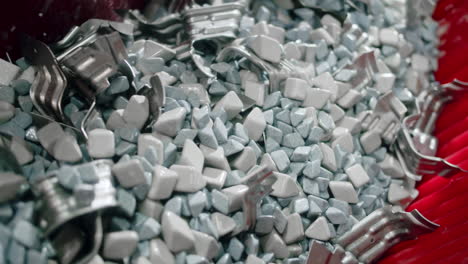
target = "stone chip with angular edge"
x: 21, y: 150
x: 206, y: 245
x: 137, y: 111
x: 255, y: 124
x: 329, y: 159
x: 344, y: 191
x: 255, y: 91
x: 275, y: 244
x: 176, y: 232
x: 224, y: 224
x: 67, y: 149
x: 7, y: 111
x: 231, y: 103
x: 266, y: 48
x: 129, y: 173
x: 215, y: 158
x: 147, y: 140
x: 170, y: 122
x: 101, y: 143
x: 285, y: 186
x: 357, y: 175
x: 164, y: 181
x: 295, y: 88
x: 119, y: 245
x: 190, y: 179
x: 316, y: 97
x: 294, y: 229
x: 159, y: 252
x: 319, y: 229
x: 215, y: 178
x: 49, y: 134
x: 192, y: 156
x: 246, y: 160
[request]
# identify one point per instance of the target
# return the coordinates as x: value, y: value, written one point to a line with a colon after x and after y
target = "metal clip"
x: 385, y: 118
x: 260, y: 184
x: 276, y: 73
x: 49, y: 86
x: 365, y: 65
x: 368, y: 240
x: 68, y: 221
x: 417, y: 146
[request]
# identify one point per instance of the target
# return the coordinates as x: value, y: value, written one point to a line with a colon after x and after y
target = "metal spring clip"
x: 416, y: 146
x: 367, y: 241
x: 385, y: 118
x: 277, y: 73
x: 68, y: 222
x: 260, y: 184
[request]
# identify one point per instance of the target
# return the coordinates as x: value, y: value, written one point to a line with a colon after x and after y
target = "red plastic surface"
x: 445, y: 200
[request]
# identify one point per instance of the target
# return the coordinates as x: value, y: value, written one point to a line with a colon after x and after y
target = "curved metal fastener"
x: 368, y: 240
x: 277, y: 73
x: 59, y: 206
x: 49, y: 86
x: 417, y: 146
x: 260, y: 184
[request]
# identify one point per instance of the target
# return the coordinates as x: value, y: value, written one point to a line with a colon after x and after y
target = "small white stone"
x: 389, y: 36
x: 215, y: 158
x: 268, y: 162
x: 49, y: 134
x: 7, y: 111
x: 170, y: 122
x: 275, y: 244
x: 266, y: 48
x: 137, y: 111
x: 370, y: 141
x: 317, y: 98
x: 357, y: 175
x: 246, y: 160
x: 116, y: 120
x: 291, y: 51
x: 345, y: 141
x: 176, y: 232
x: 190, y: 179
x: 151, y: 208
x: 10, y: 183
x: 252, y: 259
x: 223, y: 223
x: 352, y: 124
x: 215, y: 178
x: 384, y: 82
x: 206, y: 245
x: 255, y: 124
x: 349, y: 99
x: 295, y: 88
x: 164, y: 181
x: 321, y: 33
x: 147, y: 140
x: 159, y: 252
x: 391, y: 167
x: 319, y: 229
x: 420, y: 63
x: 235, y: 195
x: 129, y: 173
x: 398, y: 194
x: 21, y: 150
x: 294, y: 229
x: 285, y: 186
x: 230, y: 103
x: 329, y: 159
x: 255, y: 91
x: 119, y: 245
x: 101, y: 143
x: 192, y: 156
x: 344, y: 191
x: 325, y: 81
x: 67, y: 149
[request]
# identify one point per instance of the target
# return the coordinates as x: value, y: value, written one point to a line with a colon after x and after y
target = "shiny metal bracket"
x: 260, y: 184
x: 385, y: 118
x: 417, y: 146
x: 368, y: 240
x: 68, y: 222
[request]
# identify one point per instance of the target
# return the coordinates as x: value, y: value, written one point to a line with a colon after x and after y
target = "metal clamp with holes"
x: 67, y: 221
x: 368, y: 240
